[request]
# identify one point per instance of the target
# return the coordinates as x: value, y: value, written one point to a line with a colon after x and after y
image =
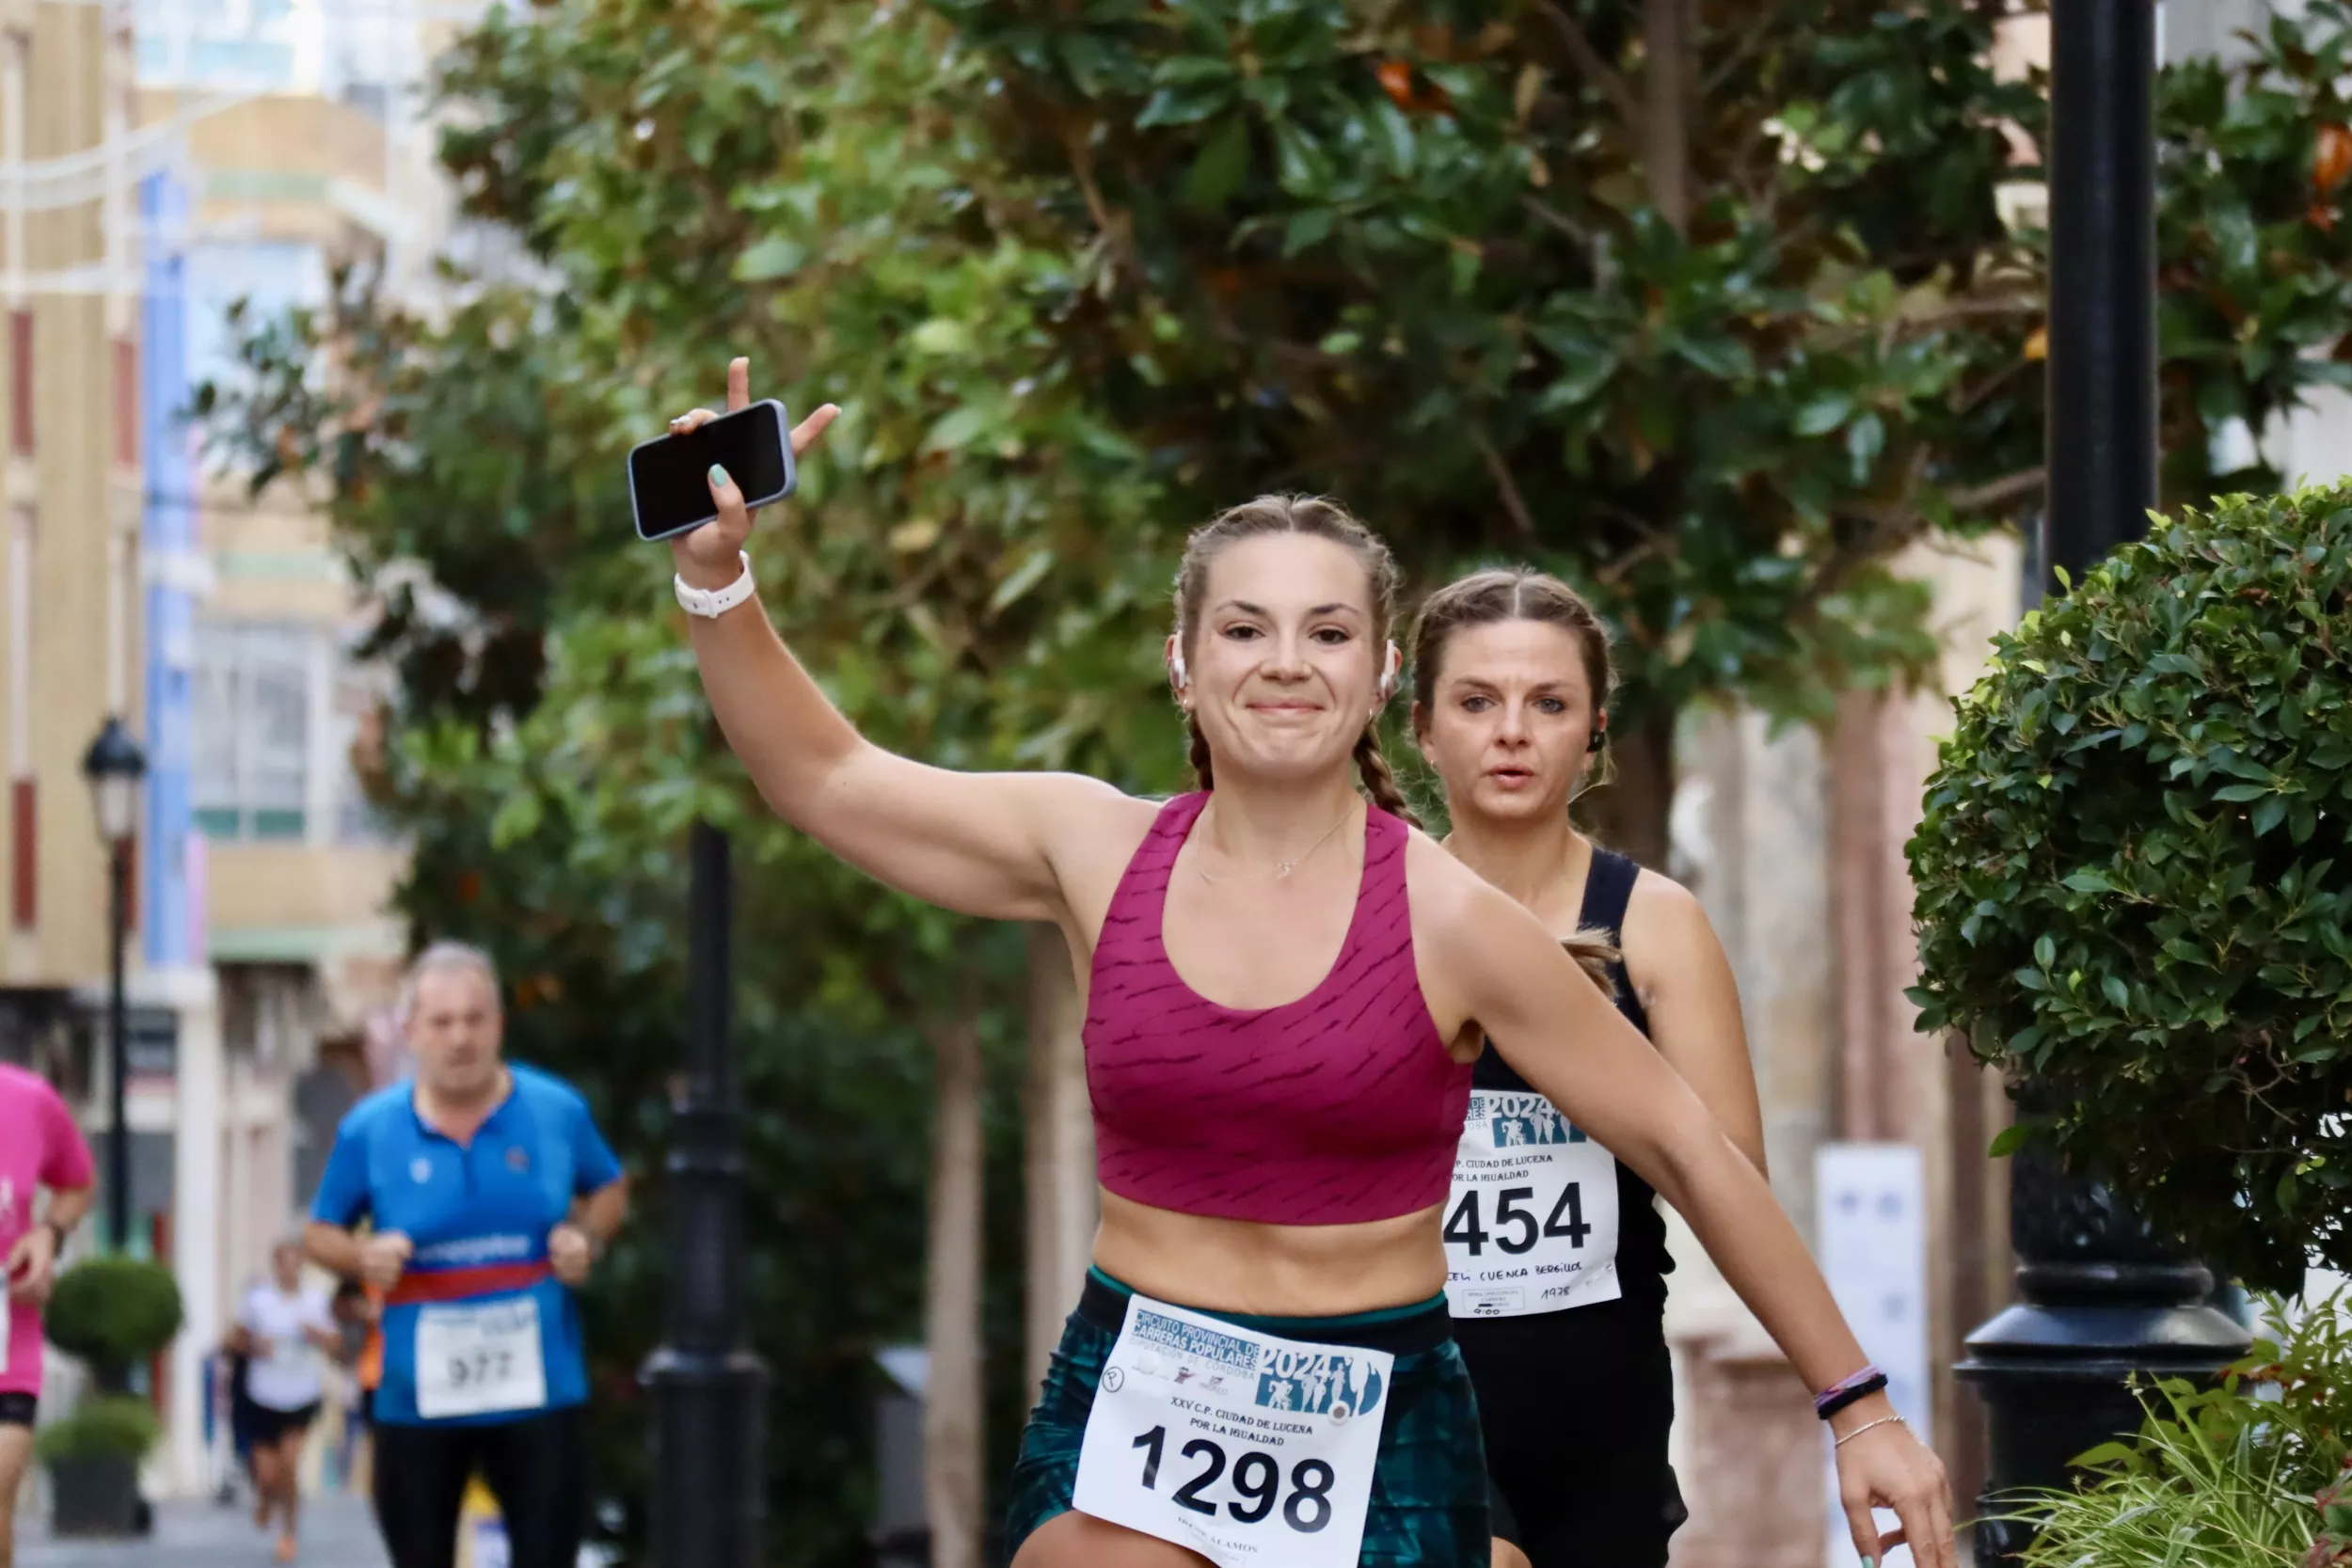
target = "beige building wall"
x: 1795, y: 844
x: 69, y: 495
x: 293, y: 170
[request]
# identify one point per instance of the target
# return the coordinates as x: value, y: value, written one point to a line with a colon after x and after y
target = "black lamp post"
x: 2104, y: 1298
x: 706, y: 1383
x: 114, y: 765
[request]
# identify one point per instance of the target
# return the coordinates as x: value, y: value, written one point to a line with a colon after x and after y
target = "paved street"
x: 336, y: 1533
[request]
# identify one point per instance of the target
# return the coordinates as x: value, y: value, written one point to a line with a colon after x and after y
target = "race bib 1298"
x: 475, y: 1360
x: 1530, y: 1224
x: 1245, y: 1447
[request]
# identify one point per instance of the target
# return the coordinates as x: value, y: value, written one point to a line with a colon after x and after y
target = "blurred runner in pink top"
x: 39, y: 1147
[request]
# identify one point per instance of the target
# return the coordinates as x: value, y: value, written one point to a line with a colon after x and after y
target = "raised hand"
x: 708, y: 557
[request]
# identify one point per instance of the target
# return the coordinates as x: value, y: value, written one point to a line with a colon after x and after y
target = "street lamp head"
x: 114, y: 765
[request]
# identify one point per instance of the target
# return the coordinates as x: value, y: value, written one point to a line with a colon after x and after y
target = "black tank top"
x: 1642, y: 1260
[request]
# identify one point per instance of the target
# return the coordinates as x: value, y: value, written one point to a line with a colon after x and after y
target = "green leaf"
x: 1305, y: 231
x: 2007, y: 1141
x: 1866, y: 437
x: 771, y: 259
x: 2044, y: 950
x: 1724, y: 357
x: 941, y: 336
x: 2090, y: 880
x: 1186, y: 105
x: 2269, y: 814
x: 2241, y: 792
x: 2106, y: 1453
x: 957, y: 428
x: 1021, y: 580
x: 1219, y: 171
x: 1822, y: 415
x: 2118, y: 995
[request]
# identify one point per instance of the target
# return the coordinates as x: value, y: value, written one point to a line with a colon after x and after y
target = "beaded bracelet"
x: 1869, y: 1369
x: 1849, y: 1392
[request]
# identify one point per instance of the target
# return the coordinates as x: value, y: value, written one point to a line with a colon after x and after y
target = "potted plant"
x: 2135, y: 879
x: 114, y: 1314
x: 2247, y: 1474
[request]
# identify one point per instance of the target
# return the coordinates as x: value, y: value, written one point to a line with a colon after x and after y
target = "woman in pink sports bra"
x: 1285, y: 987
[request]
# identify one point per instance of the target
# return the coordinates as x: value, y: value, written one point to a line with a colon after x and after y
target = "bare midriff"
x: 1285, y: 1270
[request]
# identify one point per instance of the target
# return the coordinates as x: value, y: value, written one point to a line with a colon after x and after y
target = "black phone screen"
x: 669, y: 481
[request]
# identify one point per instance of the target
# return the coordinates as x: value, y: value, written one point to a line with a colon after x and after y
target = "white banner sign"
x: 1872, y: 1235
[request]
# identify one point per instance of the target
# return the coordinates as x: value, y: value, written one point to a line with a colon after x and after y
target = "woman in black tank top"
x: 1557, y: 1251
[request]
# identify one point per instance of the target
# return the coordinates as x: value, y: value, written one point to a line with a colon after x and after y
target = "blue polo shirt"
x: 479, y: 1215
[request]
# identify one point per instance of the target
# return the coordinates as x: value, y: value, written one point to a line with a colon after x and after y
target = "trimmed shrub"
x: 113, y: 1313
x: 2135, y: 877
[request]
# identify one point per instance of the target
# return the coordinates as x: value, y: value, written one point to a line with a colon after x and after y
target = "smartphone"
x: 669, y: 477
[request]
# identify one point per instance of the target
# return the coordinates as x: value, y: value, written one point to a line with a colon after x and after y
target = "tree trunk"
x: 1630, y: 813
x: 1669, y: 48
x: 1059, y: 1151
x: 952, y: 1399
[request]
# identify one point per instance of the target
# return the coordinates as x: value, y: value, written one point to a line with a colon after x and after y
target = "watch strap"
x: 711, y: 603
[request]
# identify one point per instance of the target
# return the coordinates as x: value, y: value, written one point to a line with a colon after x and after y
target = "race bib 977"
x: 1531, y: 1222
x: 1245, y: 1447
x: 477, y: 1360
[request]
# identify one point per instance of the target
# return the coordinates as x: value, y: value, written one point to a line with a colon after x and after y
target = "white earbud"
x: 1176, y: 662
x: 1390, y: 670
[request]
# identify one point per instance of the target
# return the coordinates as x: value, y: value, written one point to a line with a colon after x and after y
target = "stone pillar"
x: 198, y: 1200
x: 1752, y: 840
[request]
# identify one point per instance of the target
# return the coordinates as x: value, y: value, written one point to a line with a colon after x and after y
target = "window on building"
x: 126, y: 390
x: 22, y: 805
x: 361, y: 693
x: 21, y: 381
x: 252, y: 729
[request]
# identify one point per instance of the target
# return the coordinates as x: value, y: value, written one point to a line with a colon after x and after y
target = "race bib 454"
x: 1240, y: 1446
x: 1532, y: 1220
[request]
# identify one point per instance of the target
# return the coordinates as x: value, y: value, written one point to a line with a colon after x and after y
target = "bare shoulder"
x: 1658, y: 900
x: 1465, y: 931
x: 1085, y: 822
x: 1090, y: 831
x: 1666, y: 926
x: 1443, y: 892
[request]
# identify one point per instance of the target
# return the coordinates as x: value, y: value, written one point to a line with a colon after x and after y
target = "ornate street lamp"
x: 706, y: 1381
x: 2106, y: 1300
x: 115, y: 767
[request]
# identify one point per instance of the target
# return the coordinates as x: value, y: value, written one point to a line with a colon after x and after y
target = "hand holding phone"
x: 707, y: 553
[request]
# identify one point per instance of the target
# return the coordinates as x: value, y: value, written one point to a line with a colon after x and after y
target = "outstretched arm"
x: 1506, y: 973
x: 979, y: 843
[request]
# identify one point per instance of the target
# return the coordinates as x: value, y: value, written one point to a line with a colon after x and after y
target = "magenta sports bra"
x: 1339, y: 1107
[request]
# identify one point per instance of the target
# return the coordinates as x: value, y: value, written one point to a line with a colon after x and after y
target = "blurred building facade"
x: 160, y: 161
x: 1787, y: 838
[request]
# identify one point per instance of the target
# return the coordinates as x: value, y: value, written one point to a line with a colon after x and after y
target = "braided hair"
x: 1320, y: 519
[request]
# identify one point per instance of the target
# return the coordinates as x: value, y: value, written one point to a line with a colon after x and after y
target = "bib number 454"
x: 1257, y: 1481
x: 1515, y: 1228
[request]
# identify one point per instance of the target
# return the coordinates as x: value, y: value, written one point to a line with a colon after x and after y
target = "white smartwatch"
x: 711, y: 603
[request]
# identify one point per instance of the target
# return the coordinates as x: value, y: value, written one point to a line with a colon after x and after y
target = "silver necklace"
x: 1283, y: 868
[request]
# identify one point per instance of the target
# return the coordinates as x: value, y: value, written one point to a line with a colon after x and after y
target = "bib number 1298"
x: 1257, y: 1482
x: 1252, y: 1451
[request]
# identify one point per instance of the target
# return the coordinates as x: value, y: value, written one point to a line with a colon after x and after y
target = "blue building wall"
x: 171, y: 929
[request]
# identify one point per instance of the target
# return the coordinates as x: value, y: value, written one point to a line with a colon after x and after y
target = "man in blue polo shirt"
x: 488, y: 1192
